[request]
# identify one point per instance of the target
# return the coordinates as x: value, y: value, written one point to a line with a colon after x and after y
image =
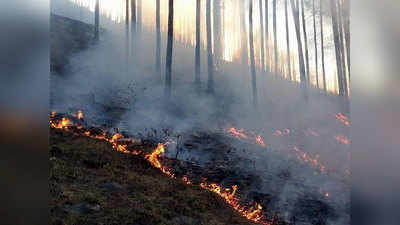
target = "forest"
x: 239, y: 105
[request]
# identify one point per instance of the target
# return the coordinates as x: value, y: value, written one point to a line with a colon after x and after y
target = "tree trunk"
x: 96, y: 21
x: 287, y: 40
x: 336, y: 38
x: 244, y: 41
x: 342, y: 48
x: 210, y: 84
x: 346, y: 14
x: 133, y: 15
x: 168, y: 78
x: 275, y: 39
x: 158, y: 40
x: 252, y: 60
x: 217, y: 30
x: 267, y: 34
x: 305, y: 41
x: 139, y: 16
x: 127, y: 37
x: 322, y: 44
x: 296, y: 18
x: 198, y: 45
x: 316, y: 47
x: 262, y: 36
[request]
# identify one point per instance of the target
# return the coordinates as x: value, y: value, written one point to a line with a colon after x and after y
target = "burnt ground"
x: 90, y: 183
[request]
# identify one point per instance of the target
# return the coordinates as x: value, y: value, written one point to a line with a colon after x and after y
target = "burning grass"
x: 82, y: 168
x: 84, y: 160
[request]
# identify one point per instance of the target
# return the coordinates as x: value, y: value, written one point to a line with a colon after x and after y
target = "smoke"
x: 128, y: 93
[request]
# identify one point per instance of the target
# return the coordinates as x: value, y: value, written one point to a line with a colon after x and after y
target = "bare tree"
x: 168, y: 71
x: 244, y: 41
x: 322, y: 44
x: 346, y: 22
x: 342, y: 46
x: 296, y: 18
x: 127, y: 36
x: 217, y: 30
x: 158, y: 40
x: 275, y: 38
x: 305, y: 41
x: 336, y: 38
x: 96, y: 20
x: 198, y: 45
x: 210, y: 83
x: 287, y: 40
x: 267, y: 31
x: 315, y: 45
x: 139, y: 16
x: 252, y: 60
x: 262, y: 36
x: 133, y: 15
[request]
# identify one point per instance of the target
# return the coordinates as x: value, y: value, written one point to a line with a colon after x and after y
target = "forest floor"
x: 91, y: 183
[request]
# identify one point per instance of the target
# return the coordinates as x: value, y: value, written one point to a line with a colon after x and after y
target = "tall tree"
x: 210, y: 84
x: 158, y: 40
x: 275, y: 38
x: 198, y: 45
x: 267, y: 32
x: 217, y: 30
x: 287, y: 40
x: 127, y: 36
x: 96, y: 20
x: 133, y: 15
x: 336, y: 38
x: 168, y: 70
x: 244, y: 41
x: 321, y: 16
x: 139, y: 15
x: 252, y: 60
x: 342, y: 46
x: 346, y: 15
x: 315, y: 45
x: 296, y: 19
x: 262, y: 35
x: 305, y: 41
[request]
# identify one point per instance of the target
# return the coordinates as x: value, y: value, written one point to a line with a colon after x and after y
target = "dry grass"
x: 90, y: 183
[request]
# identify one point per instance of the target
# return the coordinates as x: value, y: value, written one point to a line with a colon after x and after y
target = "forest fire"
x: 253, y: 213
x: 343, y: 119
x: 304, y: 157
x: 342, y: 139
x: 282, y: 132
x: 242, y: 134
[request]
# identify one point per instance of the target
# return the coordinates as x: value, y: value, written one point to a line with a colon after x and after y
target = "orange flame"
x: 343, y: 139
x: 282, y: 132
x: 62, y: 124
x: 79, y: 115
x: 238, y: 133
x: 343, y: 119
x: 254, y: 213
x: 241, y: 134
x: 304, y: 157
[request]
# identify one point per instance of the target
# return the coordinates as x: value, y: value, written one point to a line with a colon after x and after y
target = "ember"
x: 304, y: 157
x: 343, y: 139
x: 282, y: 132
x: 249, y: 135
x: 343, y: 119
